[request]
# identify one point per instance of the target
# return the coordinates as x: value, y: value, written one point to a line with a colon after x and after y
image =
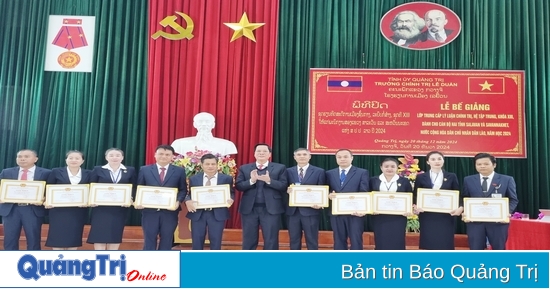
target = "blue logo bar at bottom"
x: 364, y: 269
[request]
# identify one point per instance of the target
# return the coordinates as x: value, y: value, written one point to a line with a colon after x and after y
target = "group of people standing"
x: 66, y: 224
x: 263, y: 185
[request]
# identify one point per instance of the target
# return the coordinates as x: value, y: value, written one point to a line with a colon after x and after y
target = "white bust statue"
x: 204, y: 123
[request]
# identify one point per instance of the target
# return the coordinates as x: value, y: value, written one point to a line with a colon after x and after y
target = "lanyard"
x: 434, y: 180
x: 117, y: 178
x: 388, y: 187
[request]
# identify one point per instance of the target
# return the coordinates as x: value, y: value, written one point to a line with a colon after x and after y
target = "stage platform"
x: 232, y: 240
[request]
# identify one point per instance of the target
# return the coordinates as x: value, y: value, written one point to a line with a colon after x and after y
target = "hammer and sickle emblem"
x: 182, y: 32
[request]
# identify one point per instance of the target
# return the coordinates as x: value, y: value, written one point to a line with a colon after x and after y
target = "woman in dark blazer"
x: 107, y: 222
x: 437, y: 230
x: 67, y: 223
x: 389, y: 230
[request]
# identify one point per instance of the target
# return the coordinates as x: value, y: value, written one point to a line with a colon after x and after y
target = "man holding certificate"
x: 212, y: 219
x: 23, y: 215
x: 262, y: 184
x: 161, y: 222
x: 488, y: 184
x: 304, y: 219
x: 347, y: 178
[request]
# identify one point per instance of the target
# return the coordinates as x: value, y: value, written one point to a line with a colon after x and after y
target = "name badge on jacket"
x: 496, y: 195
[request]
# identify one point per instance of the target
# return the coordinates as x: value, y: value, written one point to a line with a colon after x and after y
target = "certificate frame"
x: 96, y: 188
x: 82, y: 191
x: 339, y: 199
x: 307, y: 189
x: 197, y: 192
x: 500, y: 205
x: 143, y: 192
x: 377, y: 197
x: 36, y: 187
x: 423, y: 194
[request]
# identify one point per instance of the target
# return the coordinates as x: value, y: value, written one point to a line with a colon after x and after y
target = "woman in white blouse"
x: 67, y: 223
x: 389, y: 230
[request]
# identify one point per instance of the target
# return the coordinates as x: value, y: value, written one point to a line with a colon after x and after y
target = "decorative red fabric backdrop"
x: 234, y: 81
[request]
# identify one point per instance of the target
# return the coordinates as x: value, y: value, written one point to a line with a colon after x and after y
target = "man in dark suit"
x: 347, y: 178
x: 23, y: 215
x: 263, y: 184
x: 435, y: 24
x: 303, y: 218
x: 161, y: 222
x: 213, y: 218
x: 488, y: 184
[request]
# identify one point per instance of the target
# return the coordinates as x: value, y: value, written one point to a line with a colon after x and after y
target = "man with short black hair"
x: 347, y: 178
x: 488, y: 184
x: 212, y: 219
x: 161, y: 223
x: 28, y: 216
x: 262, y: 184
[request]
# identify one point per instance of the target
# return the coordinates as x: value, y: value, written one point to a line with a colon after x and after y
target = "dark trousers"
x: 22, y: 217
x: 160, y: 224
x: 207, y: 221
x: 344, y: 227
x: 270, y: 229
x: 309, y: 225
x: 478, y: 233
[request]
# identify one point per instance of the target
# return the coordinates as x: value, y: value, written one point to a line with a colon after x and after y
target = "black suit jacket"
x: 273, y: 192
x: 403, y: 184
x: 61, y: 176
x: 315, y: 176
x: 423, y: 181
x: 101, y: 175
x: 427, y: 36
x: 221, y: 214
x: 175, y: 178
x: 357, y: 180
x: 408, y: 42
x: 501, y: 184
x: 40, y: 174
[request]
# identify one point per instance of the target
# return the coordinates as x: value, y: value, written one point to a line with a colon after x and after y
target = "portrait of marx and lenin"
x: 420, y: 26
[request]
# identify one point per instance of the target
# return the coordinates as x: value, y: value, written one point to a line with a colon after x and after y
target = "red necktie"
x: 162, y: 172
x: 24, y: 175
x: 260, y: 167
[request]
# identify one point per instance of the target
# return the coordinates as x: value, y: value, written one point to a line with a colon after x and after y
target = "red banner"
x: 391, y: 112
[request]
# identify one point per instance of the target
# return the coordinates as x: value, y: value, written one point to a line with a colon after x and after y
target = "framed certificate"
x: 103, y: 194
x: 390, y: 203
x: 156, y: 197
x: 211, y: 196
x: 486, y: 210
x: 307, y: 196
x: 349, y: 203
x: 67, y: 195
x: 14, y: 191
x: 438, y: 201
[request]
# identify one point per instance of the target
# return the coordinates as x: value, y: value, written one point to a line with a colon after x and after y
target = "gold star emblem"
x: 243, y: 28
x: 486, y: 86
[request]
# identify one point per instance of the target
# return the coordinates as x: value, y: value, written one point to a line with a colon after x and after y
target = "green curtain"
x: 496, y: 35
x: 52, y: 112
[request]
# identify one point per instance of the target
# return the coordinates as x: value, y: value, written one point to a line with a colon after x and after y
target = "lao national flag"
x: 344, y: 83
x: 486, y: 85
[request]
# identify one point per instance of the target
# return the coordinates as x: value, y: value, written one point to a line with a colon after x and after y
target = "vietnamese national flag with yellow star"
x: 486, y: 85
x: 216, y: 57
